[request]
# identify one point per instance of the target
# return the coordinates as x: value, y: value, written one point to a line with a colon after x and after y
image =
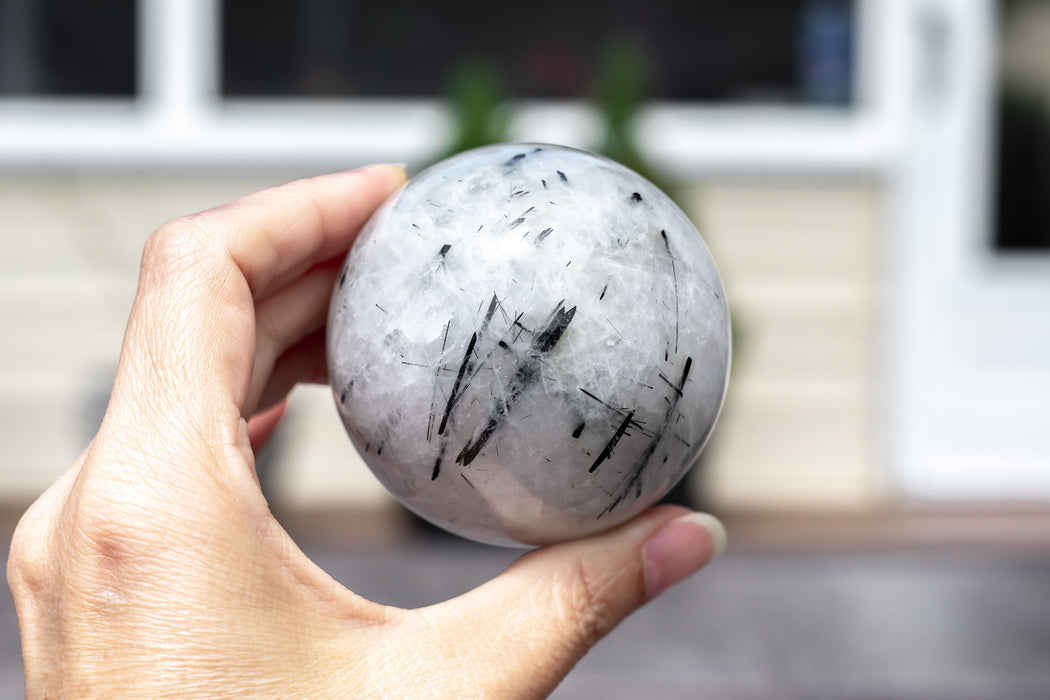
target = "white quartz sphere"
x: 528, y: 343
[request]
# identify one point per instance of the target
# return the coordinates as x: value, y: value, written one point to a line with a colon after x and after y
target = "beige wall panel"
x: 799, y: 262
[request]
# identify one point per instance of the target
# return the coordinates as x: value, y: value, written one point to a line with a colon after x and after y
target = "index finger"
x: 192, y: 325
x: 277, y: 234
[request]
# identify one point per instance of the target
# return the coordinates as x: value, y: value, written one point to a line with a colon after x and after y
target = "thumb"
x: 552, y: 605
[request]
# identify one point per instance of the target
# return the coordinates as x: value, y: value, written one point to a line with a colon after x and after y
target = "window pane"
x: 1022, y: 220
x: 769, y: 50
x: 67, y: 47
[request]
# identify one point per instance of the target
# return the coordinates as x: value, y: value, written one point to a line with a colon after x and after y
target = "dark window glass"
x: 67, y: 47
x: 767, y: 50
x: 1022, y: 144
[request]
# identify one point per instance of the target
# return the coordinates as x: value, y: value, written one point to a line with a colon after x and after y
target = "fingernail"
x: 382, y: 166
x: 679, y: 549
x: 402, y: 166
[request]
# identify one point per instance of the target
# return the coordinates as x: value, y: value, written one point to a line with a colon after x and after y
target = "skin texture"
x: 153, y: 567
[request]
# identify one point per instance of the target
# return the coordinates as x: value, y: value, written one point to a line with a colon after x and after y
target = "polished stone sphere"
x: 528, y: 343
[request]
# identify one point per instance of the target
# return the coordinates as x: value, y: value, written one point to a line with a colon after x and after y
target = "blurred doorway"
x: 968, y: 403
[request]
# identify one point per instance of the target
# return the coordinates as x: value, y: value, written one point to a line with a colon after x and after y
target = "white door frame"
x: 967, y: 401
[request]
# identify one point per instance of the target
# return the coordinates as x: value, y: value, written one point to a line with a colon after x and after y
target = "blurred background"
x: 872, y: 176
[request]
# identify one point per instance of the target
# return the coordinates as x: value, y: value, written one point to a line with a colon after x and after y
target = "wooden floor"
x: 917, y: 606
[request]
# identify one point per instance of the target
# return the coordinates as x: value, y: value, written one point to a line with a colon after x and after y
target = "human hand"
x: 153, y: 567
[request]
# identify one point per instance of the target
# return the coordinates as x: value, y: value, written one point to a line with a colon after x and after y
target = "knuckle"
x: 28, y: 559
x: 110, y: 548
x: 90, y: 564
x: 25, y: 565
x: 174, y: 244
x: 107, y: 536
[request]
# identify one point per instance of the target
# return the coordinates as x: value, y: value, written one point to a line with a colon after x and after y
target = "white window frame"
x: 181, y: 120
x: 968, y: 354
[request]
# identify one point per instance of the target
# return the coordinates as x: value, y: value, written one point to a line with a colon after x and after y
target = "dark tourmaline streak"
x: 634, y: 476
x: 459, y: 386
x: 437, y: 377
x: 527, y: 372
x: 607, y: 451
x: 452, y: 397
x: 674, y: 277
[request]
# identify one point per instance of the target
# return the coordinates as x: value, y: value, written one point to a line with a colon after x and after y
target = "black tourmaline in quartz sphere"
x: 528, y: 343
